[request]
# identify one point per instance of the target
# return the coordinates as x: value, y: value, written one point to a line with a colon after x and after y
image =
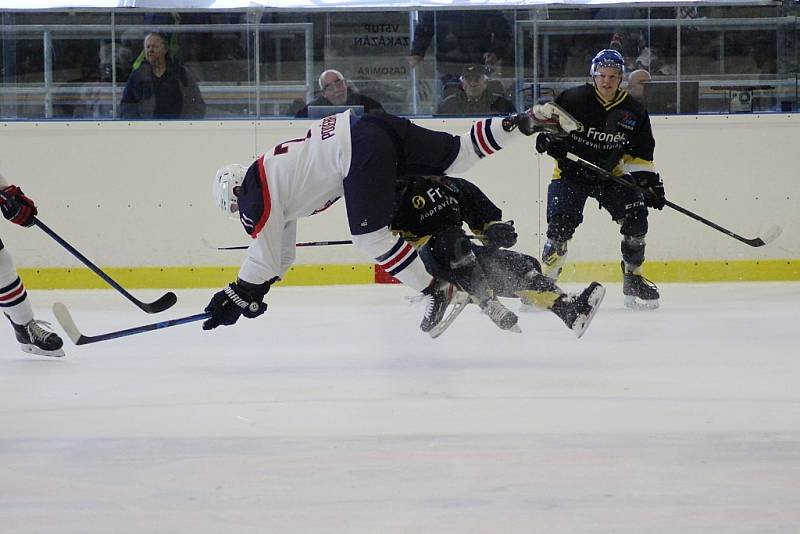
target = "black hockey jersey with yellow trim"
x: 612, y: 130
x: 429, y: 204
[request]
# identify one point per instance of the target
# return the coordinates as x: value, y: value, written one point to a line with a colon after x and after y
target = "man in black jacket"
x: 161, y: 88
x: 462, y: 37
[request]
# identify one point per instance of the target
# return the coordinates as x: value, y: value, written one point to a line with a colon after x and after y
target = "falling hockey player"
x: 360, y: 159
x: 616, y: 135
x: 33, y: 335
x: 431, y: 213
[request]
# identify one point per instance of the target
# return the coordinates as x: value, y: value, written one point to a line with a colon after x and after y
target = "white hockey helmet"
x: 228, y: 178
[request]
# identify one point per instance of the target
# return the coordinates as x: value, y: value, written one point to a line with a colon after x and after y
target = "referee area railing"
x: 728, y: 79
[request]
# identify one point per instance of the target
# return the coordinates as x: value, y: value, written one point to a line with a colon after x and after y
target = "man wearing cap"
x: 475, y: 97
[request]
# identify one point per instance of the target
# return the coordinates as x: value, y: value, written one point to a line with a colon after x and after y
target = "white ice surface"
x: 332, y: 413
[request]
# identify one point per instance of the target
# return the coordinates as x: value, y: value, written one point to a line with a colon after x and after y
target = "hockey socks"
x: 13, y: 296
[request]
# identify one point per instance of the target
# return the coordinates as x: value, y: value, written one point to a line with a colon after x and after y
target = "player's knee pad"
x: 635, y: 221
x: 452, y: 247
x: 529, y: 264
x: 432, y: 265
x: 632, y: 248
x: 561, y: 227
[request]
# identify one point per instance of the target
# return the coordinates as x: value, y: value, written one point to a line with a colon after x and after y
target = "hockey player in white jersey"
x: 32, y: 334
x: 358, y: 158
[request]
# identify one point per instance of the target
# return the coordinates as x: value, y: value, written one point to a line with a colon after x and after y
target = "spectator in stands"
x: 475, y: 96
x: 636, y: 82
x: 462, y: 37
x: 161, y: 88
x: 336, y: 93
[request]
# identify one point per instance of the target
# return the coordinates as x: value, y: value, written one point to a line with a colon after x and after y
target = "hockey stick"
x: 770, y: 235
x: 305, y: 244
x: 68, y: 324
x: 162, y: 303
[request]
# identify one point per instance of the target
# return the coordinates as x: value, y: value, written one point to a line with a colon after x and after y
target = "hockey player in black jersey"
x: 431, y: 213
x: 617, y: 136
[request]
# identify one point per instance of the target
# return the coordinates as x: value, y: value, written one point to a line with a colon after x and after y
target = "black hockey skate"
x: 437, y: 297
x: 577, y: 311
x: 34, y: 338
x: 504, y: 318
x: 640, y: 293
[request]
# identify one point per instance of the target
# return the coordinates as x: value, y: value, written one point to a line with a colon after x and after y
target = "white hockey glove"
x: 555, y: 119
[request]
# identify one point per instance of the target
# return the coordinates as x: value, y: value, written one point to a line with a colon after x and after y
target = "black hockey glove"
x: 239, y: 298
x: 652, y: 188
x: 16, y: 207
x: 554, y: 147
x: 524, y: 121
x: 501, y: 234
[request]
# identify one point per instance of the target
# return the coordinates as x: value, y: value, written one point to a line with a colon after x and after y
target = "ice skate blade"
x: 632, y: 303
x: 33, y: 349
x: 582, y: 321
x: 457, y: 305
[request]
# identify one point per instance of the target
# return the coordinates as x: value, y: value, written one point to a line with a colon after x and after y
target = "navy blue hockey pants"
x: 385, y: 147
x: 566, y: 199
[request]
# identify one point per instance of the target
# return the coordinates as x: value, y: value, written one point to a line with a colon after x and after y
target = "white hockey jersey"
x: 296, y: 178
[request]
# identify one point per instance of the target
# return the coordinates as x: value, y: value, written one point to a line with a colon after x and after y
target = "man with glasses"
x: 334, y: 92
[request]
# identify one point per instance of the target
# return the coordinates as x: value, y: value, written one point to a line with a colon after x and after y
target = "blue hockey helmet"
x: 607, y: 58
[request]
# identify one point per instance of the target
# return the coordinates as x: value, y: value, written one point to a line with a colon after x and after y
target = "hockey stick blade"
x: 159, y: 305
x: 66, y: 321
x: 164, y: 302
x: 771, y: 235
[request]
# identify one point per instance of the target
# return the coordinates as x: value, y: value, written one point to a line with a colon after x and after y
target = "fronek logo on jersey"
x: 596, y: 135
x: 418, y: 201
